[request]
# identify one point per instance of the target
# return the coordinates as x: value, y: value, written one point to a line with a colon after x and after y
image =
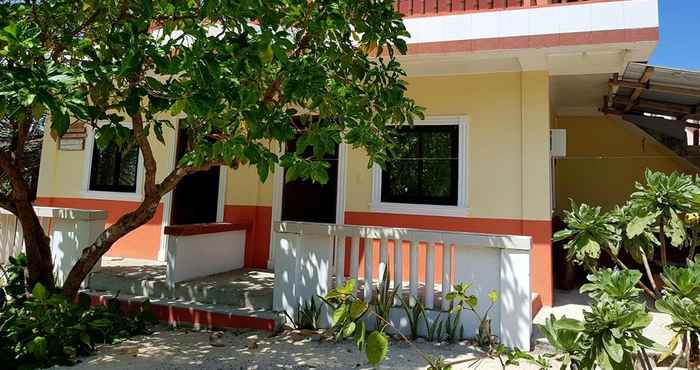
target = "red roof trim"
x: 536, y: 41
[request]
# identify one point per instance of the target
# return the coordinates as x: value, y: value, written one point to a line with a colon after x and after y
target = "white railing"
x: 11, y: 236
x: 312, y: 258
x: 70, y: 230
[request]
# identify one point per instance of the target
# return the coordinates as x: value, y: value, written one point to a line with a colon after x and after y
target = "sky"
x: 679, y: 44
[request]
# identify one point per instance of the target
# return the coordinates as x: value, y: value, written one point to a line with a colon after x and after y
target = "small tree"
x: 245, y: 76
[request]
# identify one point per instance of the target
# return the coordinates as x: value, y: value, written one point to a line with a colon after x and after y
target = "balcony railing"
x: 420, y: 265
x: 435, y: 7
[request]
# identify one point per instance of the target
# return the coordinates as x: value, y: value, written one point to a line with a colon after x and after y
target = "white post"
x: 413, y: 273
x: 446, y: 274
x: 354, y: 258
x: 398, y: 265
x: 339, y: 260
x: 383, y: 259
x: 369, y: 287
x: 429, y: 274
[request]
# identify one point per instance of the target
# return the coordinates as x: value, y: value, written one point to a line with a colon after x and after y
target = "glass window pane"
x: 437, y: 178
x: 426, y: 170
x: 113, y: 169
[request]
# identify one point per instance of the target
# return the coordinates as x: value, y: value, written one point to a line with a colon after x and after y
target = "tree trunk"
x: 104, y: 242
x: 647, y: 268
x: 37, y: 246
x: 693, y: 352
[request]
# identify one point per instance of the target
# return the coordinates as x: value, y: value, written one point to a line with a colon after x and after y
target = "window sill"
x: 419, y: 209
x: 111, y: 195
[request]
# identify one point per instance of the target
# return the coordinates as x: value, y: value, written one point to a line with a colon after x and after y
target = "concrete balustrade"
x: 312, y: 258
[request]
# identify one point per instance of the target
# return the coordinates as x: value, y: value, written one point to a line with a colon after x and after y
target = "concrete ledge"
x: 197, y: 315
x: 200, y: 229
x: 67, y: 213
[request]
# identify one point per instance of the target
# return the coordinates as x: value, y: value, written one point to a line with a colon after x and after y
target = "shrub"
x: 43, y: 329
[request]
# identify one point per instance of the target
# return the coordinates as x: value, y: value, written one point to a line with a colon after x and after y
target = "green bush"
x: 43, y: 329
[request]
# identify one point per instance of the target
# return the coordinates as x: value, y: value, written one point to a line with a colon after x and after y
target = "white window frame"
x: 462, y: 207
x: 85, y: 191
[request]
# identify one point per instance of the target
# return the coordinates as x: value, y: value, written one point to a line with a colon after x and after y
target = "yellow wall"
x: 62, y: 173
x: 507, y: 174
x: 499, y: 107
x: 605, y: 156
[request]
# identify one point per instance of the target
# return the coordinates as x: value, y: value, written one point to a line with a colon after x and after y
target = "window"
x: 426, y: 170
x: 428, y: 177
x: 114, y: 169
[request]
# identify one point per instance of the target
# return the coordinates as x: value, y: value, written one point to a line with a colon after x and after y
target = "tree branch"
x: 149, y: 161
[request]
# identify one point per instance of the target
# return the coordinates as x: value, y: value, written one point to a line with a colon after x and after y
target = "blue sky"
x: 679, y: 46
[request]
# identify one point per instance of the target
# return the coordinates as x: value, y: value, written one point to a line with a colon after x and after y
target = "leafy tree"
x: 243, y: 78
x: 667, y: 198
x: 610, y: 335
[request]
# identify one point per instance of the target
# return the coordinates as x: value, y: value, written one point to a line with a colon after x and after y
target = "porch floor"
x: 243, y: 288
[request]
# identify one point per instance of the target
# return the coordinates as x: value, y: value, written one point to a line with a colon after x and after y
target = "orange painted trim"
x: 142, y: 243
x: 257, y: 241
x: 175, y: 315
x: 536, y: 41
x: 541, y: 273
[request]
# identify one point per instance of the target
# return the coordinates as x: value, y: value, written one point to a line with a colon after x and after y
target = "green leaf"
x: 569, y: 324
x: 357, y: 309
x: 349, y: 329
x: 339, y: 313
x: 493, y: 296
x: 613, y: 349
x: 377, y: 347
x: 40, y: 292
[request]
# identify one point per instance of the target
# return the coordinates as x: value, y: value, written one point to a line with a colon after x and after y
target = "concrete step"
x: 200, y: 316
x: 246, y: 289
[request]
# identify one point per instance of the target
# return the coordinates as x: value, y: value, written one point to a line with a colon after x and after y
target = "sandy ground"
x: 184, y: 349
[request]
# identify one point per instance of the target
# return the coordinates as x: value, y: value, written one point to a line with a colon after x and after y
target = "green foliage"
x: 413, y: 314
x: 236, y: 80
x: 681, y: 300
x: 384, y: 300
x: 516, y: 356
x: 613, y: 284
x: 348, y: 314
x: 589, y: 231
x: 668, y: 197
x: 14, y: 287
x: 45, y: 329
x: 636, y: 229
x: 307, y: 316
x: 610, y: 336
x: 460, y: 299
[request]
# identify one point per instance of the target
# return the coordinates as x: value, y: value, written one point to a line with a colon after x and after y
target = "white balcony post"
x: 369, y: 286
x: 354, y: 258
x: 413, y: 272
x: 429, y: 274
x: 383, y: 259
x: 446, y: 274
x: 339, y: 260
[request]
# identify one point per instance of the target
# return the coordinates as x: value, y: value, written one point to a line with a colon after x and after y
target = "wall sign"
x: 74, y: 138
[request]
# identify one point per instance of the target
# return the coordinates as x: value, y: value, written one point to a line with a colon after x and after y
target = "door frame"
x: 168, y: 198
x: 278, y: 187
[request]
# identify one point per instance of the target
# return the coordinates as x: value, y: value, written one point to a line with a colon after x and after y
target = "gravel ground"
x: 184, y: 349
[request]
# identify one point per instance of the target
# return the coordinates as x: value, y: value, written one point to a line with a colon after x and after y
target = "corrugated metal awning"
x: 656, y: 90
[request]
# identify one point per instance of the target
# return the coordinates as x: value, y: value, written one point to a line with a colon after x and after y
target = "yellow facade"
x: 507, y: 172
x: 62, y: 173
x: 605, y: 157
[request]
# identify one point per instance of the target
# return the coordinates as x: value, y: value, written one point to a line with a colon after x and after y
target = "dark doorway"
x: 305, y: 201
x: 196, y: 196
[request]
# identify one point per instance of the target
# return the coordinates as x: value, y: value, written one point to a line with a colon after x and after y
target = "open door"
x: 196, y: 197
x: 305, y: 201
